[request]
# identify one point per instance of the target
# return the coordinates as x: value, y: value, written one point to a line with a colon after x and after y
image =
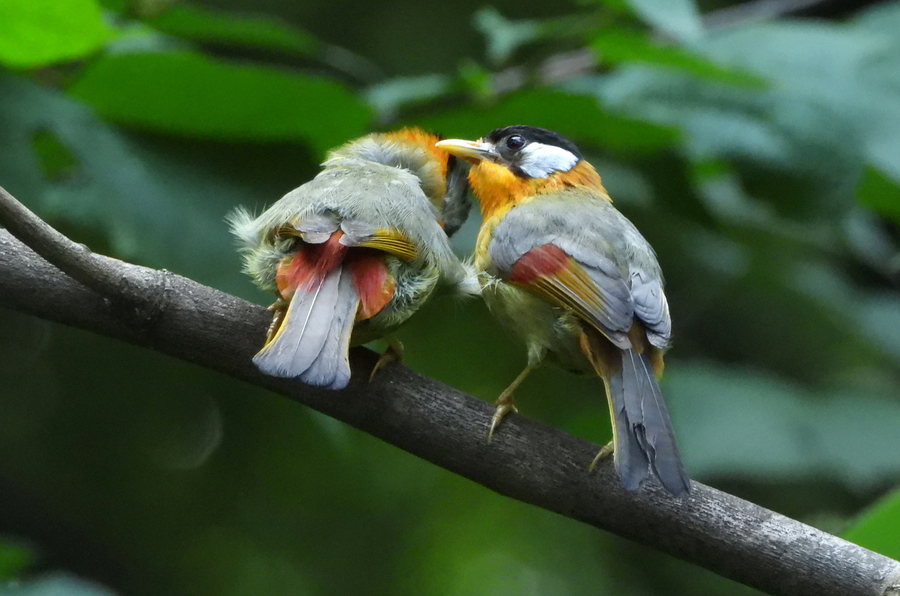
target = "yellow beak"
x: 469, y: 150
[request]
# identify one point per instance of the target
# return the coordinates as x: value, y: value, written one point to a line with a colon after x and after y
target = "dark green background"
x: 761, y: 159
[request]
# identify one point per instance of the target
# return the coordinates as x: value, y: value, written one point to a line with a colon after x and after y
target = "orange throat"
x: 498, y: 189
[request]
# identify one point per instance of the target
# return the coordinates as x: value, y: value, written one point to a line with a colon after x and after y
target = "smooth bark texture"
x: 527, y: 461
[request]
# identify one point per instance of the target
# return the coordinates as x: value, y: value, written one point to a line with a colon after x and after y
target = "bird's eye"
x: 515, y: 142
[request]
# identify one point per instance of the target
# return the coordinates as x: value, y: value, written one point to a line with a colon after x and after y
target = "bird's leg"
x: 279, y: 308
x: 393, y: 353
x: 505, y: 403
x: 610, y: 447
x: 607, y: 450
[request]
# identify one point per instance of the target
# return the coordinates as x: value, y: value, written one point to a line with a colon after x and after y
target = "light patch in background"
x: 190, y: 436
x: 518, y: 577
x: 56, y: 584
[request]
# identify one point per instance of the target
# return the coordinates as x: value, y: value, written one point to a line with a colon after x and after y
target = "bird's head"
x: 441, y: 175
x: 515, y: 162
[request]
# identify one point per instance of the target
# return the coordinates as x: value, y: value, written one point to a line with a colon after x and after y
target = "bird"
x: 354, y: 252
x: 574, y: 279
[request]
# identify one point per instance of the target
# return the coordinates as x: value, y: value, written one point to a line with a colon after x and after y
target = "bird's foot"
x: 504, y: 405
x: 505, y: 401
x: 279, y: 308
x: 607, y: 450
x: 393, y: 353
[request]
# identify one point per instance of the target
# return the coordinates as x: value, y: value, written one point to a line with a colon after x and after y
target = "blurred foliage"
x: 42, y: 32
x: 14, y: 559
x: 878, y: 528
x: 762, y: 161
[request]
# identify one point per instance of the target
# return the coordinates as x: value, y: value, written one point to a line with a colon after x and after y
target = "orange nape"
x: 424, y: 139
x: 311, y: 263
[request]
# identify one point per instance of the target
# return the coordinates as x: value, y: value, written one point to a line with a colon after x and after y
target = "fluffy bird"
x: 569, y: 274
x: 355, y: 252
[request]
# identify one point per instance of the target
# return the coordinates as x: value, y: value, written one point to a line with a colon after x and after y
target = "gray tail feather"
x: 314, y: 338
x: 645, y: 438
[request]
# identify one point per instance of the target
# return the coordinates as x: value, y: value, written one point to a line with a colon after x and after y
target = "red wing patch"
x: 546, y: 260
x: 372, y: 282
x: 559, y: 279
x: 309, y: 265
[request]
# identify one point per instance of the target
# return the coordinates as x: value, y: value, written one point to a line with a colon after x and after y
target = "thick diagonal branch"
x: 528, y: 461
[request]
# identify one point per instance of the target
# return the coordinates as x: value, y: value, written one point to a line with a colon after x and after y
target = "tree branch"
x: 528, y: 461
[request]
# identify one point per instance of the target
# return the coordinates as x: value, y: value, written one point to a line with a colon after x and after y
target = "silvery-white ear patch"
x: 539, y: 161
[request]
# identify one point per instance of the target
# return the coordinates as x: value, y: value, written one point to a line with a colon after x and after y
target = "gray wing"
x: 612, y: 277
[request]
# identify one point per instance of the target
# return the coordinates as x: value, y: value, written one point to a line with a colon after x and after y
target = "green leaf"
x: 577, y: 117
x: 830, y: 108
x: 503, y: 36
x: 853, y: 72
x: 618, y: 46
x: 736, y: 422
x: 770, y: 135
x: 14, y: 559
x: 36, y: 33
x: 678, y: 18
x: 55, y: 160
x: 880, y: 194
x: 261, y: 32
x: 254, y: 31
x: 389, y: 97
x: 878, y: 528
x: 190, y: 94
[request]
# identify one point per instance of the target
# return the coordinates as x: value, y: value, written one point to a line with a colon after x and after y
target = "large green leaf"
x: 190, y: 94
x: 256, y: 31
x: 39, y: 32
x: 741, y: 423
x: 851, y: 71
x: 831, y: 106
x: 878, y: 528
